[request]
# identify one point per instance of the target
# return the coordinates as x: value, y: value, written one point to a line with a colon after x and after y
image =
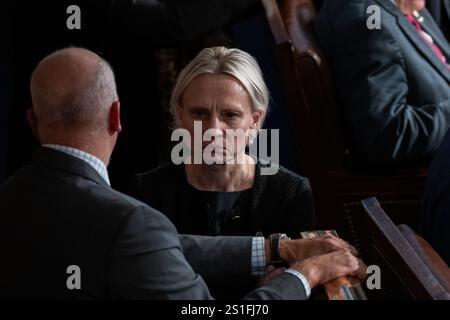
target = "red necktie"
x: 432, y: 45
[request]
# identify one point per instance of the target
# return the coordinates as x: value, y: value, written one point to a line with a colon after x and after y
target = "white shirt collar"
x: 93, y: 161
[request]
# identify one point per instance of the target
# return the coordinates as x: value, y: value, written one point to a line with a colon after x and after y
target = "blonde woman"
x: 223, y: 89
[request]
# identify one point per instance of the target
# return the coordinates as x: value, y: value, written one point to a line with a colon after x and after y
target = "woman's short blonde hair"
x: 221, y: 60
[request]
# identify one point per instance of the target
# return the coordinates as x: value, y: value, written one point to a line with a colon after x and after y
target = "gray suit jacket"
x: 440, y: 10
x: 394, y: 91
x: 57, y: 212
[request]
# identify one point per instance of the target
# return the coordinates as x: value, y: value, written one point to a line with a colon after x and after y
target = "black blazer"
x: 278, y: 203
x: 58, y: 211
x: 393, y: 90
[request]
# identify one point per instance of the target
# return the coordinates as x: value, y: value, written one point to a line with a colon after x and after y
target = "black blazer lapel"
x: 433, y: 30
x: 61, y: 161
x: 423, y: 47
x: 446, y: 5
x: 416, y: 39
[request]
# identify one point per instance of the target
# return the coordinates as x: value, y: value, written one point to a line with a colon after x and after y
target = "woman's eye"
x: 231, y: 115
x: 198, y: 113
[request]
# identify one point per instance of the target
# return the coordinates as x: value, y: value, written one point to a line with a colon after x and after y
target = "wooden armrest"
x: 275, y: 21
x: 430, y: 257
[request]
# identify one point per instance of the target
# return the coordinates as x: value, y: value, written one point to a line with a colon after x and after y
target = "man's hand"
x: 338, y: 242
x: 292, y: 251
x: 321, y: 269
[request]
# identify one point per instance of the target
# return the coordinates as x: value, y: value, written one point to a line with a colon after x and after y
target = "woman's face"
x: 220, y: 103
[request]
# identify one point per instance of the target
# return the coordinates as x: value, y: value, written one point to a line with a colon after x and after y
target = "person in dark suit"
x: 440, y: 10
x: 392, y: 76
x: 223, y: 89
x: 66, y: 234
x: 435, y: 222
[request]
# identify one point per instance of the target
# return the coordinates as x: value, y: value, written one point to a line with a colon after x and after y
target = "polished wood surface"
x: 341, y: 288
x: 405, y: 257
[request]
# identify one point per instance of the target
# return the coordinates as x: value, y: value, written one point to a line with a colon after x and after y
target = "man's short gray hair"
x: 84, y: 103
x: 220, y: 60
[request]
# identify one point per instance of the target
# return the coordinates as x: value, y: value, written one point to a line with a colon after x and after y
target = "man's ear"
x: 115, y: 125
x: 31, y: 118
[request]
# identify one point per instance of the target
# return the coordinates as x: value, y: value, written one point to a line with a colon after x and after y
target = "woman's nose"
x: 214, y: 123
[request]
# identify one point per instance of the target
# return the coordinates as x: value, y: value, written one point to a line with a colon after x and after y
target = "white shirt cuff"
x: 302, y: 279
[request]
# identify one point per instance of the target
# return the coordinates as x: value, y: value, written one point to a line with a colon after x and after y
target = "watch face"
x: 276, y: 260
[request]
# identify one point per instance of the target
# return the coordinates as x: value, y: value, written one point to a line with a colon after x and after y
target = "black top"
x: 217, y: 208
x: 279, y: 203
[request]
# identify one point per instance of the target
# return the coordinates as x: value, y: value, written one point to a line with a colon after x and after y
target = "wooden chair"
x: 339, y: 182
x: 410, y: 268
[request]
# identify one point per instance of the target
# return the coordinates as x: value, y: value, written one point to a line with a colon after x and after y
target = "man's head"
x: 75, y: 102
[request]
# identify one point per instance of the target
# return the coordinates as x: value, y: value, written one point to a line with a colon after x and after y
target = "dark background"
x: 37, y: 28
x: 5, y: 85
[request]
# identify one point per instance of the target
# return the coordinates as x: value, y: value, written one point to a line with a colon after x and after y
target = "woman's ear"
x: 257, y: 118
